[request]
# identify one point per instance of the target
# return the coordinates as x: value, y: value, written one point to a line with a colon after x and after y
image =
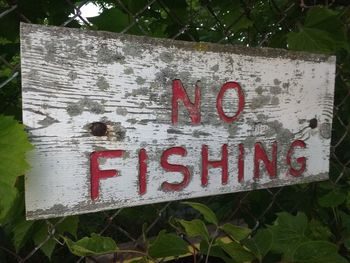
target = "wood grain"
x: 72, y: 78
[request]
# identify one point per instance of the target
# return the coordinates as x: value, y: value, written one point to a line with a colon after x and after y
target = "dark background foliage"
x: 302, y: 223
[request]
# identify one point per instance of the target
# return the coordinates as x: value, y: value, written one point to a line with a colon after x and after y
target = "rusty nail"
x: 313, y: 123
x: 98, y: 129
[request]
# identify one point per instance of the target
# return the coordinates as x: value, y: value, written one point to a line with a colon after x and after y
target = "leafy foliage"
x: 113, y: 20
x: 13, y: 147
x: 236, y: 232
x: 292, y: 237
x: 260, y: 244
x: 195, y: 228
x: 208, y: 214
x: 319, y: 232
x: 288, y: 232
x: 323, y: 31
x: 21, y: 233
x: 317, y: 251
x: 332, y: 199
x: 94, y: 245
x: 167, y: 245
x: 236, y: 251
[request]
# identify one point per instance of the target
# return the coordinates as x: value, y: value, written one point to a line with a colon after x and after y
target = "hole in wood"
x: 313, y: 123
x: 98, y: 129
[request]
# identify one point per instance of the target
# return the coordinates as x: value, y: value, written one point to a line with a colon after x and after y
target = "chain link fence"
x: 203, y: 21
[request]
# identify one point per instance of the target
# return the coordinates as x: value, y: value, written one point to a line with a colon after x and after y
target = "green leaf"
x: 113, y: 20
x: 323, y: 31
x: 319, y: 231
x: 94, y: 245
x: 166, y: 245
x: 236, y: 232
x: 319, y: 15
x: 348, y: 199
x: 215, y: 251
x: 236, y: 20
x: 236, y: 251
x: 347, y: 243
x: 13, y: 147
x: 9, y: 26
x: 135, y: 6
x: 207, y: 213
x: 70, y: 225
x: 288, y: 232
x: 58, y: 13
x: 8, y: 195
x: 195, y: 228
x: 332, y: 199
x: 311, y: 40
x: 317, y: 252
x: 140, y: 260
x: 17, y: 211
x: 21, y: 231
x: 345, y: 221
x: 242, y: 23
x: 327, y: 20
x: 40, y: 236
x: 260, y: 244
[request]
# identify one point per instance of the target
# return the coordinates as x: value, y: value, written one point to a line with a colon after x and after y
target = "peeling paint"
x: 72, y: 75
x: 285, y: 85
x: 198, y: 134
x: 132, y: 50
x: 122, y: 111
x: 277, y: 131
x: 275, y: 100
x: 174, y: 131
x: 140, y: 80
x: 108, y: 56
x: 260, y: 101
x: 102, y: 83
x: 126, y: 82
x: 165, y: 76
x: 275, y: 90
x: 166, y: 57
x: 74, y: 109
x: 50, y: 52
x: 259, y: 90
x: 118, y: 131
x: 277, y: 82
x: 128, y: 71
x: 215, y: 67
x: 47, y: 121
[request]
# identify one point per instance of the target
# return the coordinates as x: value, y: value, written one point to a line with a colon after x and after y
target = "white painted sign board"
x: 121, y: 120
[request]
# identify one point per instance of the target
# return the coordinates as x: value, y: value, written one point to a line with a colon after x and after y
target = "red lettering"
x: 179, y: 93
x: 97, y: 174
x: 219, y: 108
x: 300, y: 160
x: 241, y: 162
x: 260, y: 154
x: 175, y: 168
x: 220, y: 163
x: 143, y: 157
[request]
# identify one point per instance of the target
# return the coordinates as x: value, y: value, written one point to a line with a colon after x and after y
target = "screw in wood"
x: 98, y: 129
x: 313, y: 123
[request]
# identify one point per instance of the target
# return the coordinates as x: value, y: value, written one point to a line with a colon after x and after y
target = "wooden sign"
x: 121, y: 120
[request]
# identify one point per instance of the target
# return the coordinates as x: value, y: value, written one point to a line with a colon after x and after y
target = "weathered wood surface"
x: 73, y: 77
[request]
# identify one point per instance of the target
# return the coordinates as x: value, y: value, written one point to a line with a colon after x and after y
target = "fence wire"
x: 202, y: 22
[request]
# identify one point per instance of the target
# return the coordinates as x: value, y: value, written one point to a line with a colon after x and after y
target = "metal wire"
x: 111, y: 222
